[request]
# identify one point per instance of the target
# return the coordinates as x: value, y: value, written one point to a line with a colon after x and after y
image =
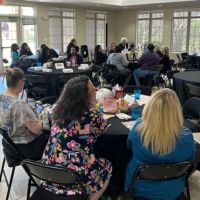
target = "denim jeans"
x: 140, y: 73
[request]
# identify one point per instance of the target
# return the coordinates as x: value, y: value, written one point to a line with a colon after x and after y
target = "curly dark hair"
x: 74, y: 100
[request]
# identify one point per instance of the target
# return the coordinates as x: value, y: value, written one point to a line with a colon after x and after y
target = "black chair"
x: 111, y: 74
x: 36, y: 86
x: 154, y: 76
x: 145, y: 90
x: 184, y: 56
x: 163, y: 172
x: 57, y: 175
x: 191, y: 113
x: 13, y: 156
x: 193, y: 90
x: 85, y: 53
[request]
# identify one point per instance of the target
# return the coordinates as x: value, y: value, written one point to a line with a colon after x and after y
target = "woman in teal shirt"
x: 14, y: 54
x: 157, y: 138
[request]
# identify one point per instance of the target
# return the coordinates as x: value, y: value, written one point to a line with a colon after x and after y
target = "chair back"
x: 179, y: 58
x: 12, y: 154
x: 111, y: 68
x: 191, y: 108
x: 184, y: 56
x: 158, y: 172
x: 58, y: 175
x: 145, y: 90
x: 193, y: 90
x: 156, y: 68
x: 84, y: 51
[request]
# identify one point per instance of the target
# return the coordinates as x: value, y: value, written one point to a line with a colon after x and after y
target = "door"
x: 8, y: 36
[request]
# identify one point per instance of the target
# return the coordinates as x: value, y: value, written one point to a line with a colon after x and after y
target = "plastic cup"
x: 119, y: 94
x: 137, y: 93
x: 136, y: 113
x: 39, y: 64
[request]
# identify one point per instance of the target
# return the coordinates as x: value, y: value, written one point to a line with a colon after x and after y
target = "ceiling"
x: 113, y: 3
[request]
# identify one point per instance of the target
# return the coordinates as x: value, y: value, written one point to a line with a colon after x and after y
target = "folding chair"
x: 13, y: 156
x: 53, y: 174
x: 193, y: 90
x: 163, y: 172
x: 36, y: 86
x: 191, y: 113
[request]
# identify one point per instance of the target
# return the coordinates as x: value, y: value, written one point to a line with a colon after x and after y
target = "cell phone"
x: 39, y: 108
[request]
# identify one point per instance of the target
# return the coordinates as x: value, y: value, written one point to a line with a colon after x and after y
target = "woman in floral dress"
x: 76, y: 126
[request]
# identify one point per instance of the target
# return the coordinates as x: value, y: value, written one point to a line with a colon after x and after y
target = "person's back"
x: 148, y: 59
x: 158, y: 138
x: 18, y: 118
x: 158, y: 189
x: 117, y: 59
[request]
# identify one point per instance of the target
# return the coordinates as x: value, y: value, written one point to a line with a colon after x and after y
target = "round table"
x: 112, y: 145
x: 181, y: 78
x: 52, y: 77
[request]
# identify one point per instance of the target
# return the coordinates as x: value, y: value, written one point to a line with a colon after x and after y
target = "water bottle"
x: 136, y: 110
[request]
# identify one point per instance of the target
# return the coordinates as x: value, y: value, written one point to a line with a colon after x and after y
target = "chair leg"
x: 188, y: 190
x: 29, y: 189
x: 2, y: 168
x: 10, y: 183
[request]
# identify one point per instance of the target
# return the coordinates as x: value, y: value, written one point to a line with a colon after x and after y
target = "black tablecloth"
x: 113, y: 146
x: 180, y: 79
x: 195, y: 61
x: 52, y: 78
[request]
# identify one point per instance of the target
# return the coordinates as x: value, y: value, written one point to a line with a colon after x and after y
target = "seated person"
x: 75, y: 58
x: 121, y: 62
x: 14, y: 54
x: 22, y: 124
x: 158, y: 138
x: 112, y: 48
x: 147, y: 60
x: 46, y: 54
x: 158, y: 51
x: 76, y: 126
x: 165, y: 60
x: 124, y: 43
x: 99, y: 56
x: 25, y: 50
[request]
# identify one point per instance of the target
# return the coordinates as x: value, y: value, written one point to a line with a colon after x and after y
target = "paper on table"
x: 196, y: 137
x: 107, y: 116
x: 68, y: 70
x: 123, y: 116
x: 129, y: 124
x: 130, y: 99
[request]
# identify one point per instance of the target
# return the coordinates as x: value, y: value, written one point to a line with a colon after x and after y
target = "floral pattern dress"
x: 72, y: 147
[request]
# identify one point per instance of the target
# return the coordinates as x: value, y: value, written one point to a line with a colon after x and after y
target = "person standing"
x: 69, y: 47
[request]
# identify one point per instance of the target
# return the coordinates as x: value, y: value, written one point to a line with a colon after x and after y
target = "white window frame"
x: 150, y: 19
x: 61, y: 17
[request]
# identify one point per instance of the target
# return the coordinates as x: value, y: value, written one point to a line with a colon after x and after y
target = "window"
x: 95, y: 29
x: 17, y: 25
x: 150, y: 27
x: 61, y: 28
x: 9, y: 10
x: 186, y: 31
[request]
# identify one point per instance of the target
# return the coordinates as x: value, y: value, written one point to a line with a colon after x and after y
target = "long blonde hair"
x: 162, y: 121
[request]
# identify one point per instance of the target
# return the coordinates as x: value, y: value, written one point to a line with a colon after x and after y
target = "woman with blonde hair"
x: 157, y: 138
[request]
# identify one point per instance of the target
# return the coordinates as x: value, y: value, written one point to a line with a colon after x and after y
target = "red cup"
x: 119, y: 94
